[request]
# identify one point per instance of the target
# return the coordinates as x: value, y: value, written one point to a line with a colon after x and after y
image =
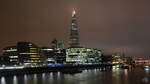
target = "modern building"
x: 74, y: 35
x: 57, y: 45
x: 55, y: 54
x: 52, y: 56
x: 4, y: 60
x: 60, y: 56
x: 10, y: 55
x: 77, y: 54
x: 1, y: 60
x: 29, y: 54
x: 48, y: 54
x: 116, y: 59
x: 83, y: 55
x: 142, y: 61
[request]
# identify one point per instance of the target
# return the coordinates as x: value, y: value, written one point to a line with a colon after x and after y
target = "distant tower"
x: 74, y: 36
x: 57, y: 44
x: 54, y: 43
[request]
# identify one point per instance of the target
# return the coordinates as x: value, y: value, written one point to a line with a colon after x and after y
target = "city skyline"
x: 102, y: 25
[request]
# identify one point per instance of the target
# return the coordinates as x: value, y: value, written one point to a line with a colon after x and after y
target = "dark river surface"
x: 96, y: 76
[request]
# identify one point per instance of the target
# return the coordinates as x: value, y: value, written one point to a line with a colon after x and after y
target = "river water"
x: 96, y: 76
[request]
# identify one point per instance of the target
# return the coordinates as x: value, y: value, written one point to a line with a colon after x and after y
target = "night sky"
x: 110, y: 25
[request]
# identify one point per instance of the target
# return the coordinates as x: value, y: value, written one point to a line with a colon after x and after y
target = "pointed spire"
x: 73, y: 12
x: 74, y: 36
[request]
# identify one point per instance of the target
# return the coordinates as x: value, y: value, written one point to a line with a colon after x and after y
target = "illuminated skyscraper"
x: 77, y: 54
x: 74, y: 36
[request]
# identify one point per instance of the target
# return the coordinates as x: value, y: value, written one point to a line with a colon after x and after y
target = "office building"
x: 29, y: 54
x: 10, y: 55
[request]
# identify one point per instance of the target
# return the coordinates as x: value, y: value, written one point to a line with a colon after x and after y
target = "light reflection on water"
x: 95, y: 76
x: 3, y: 81
x: 25, y: 79
x: 43, y: 78
x: 15, y: 80
x: 35, y: 79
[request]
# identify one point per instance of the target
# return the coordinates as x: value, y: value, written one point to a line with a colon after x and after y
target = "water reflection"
x: 126, y: 74
x: 25, y: 79
x: 95, y: 76
x: 51, y: 76
x: 35, y: 79
x: 3, y: 81
x: 15, y: 80
x: 43, y: 78
x: 58, y: 76
x: 116, y: 76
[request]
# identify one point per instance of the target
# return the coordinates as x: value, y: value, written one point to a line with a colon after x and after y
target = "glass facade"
x: 74, y: 36
x: 29, y: 54
x: 53, y: 55
x: 10, y: 55
x: 83, y: 55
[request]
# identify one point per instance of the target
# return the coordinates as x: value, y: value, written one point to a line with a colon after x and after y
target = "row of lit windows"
x: 33, y: 51
x: 83, y: 50
x: 47, y: 49
x: 35, y: 56
x: 32, y: 61
x: 83, y: 54
x: 74, y: 60
x: 13, y: 60
x: 50, y: 59
x: 11, y: 50
x: 29, y: 53
x: 13, y: 56
x: 33, y: 48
